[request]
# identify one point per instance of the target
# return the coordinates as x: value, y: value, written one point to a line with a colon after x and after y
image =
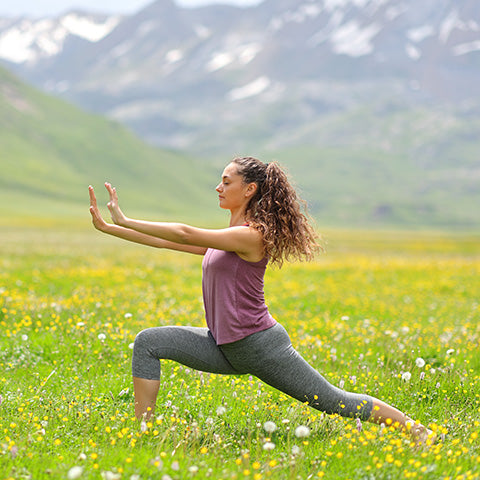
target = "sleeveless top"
x: 233, y: 296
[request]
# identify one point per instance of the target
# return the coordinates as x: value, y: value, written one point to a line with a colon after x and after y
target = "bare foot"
x: 421, y: 435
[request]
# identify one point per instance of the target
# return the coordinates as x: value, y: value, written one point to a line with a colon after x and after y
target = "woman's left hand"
x: 117, y: 215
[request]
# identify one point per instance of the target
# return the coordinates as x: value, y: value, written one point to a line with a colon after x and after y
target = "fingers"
x: 93, y: 200
x: 112, y: 191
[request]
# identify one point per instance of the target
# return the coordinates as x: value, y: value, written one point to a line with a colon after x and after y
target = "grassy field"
x: 71, y: 302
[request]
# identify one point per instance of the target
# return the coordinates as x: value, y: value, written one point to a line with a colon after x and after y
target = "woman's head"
x: 274, y: 209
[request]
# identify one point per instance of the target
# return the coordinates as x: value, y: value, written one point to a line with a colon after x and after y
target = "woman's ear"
x: 251, y: 189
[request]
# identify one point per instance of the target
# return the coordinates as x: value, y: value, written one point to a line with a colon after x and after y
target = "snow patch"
x: 173, y: 56
x: 202, y: 31
x: 395, y: 11
x: 465, y: 48
x: 353, y: 40
x: 416, y: 35
x: 220, y: 60
x: 251, y: 89
x: 449, y: 24
x: 89, y: 29
x: 241, y: 54
x: 412, y: 51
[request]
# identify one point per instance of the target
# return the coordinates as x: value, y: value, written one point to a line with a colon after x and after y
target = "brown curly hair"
x: 276, y: 211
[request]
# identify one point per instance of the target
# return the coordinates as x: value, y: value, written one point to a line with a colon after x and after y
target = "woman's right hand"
x: 117, y: 215
x: 98, y: 222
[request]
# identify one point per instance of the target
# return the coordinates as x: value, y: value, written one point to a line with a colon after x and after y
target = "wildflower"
x: 135, y: 476
x: 406, y: 376
x: 24, y: 337
x: 345, y: 318
x: 295, y: 450
x: 268, y: 446
x: 110, y: 475
x: 302, y: 431
x: 175, y: 466
x: 221, y: 410
x: 450, y: 351
x: 359, y: 425
x: 420, y: 362
x: 130, y: 346
x: 82, y: 456
x: 14, y: 451
x: 269, y: 427
x: 102, y: 337
x: 193, y: 469
x: 128, y: 315
x: 341, y: 384
x: 422, y: 375
x: 166, y: 477
x: 74, y: 473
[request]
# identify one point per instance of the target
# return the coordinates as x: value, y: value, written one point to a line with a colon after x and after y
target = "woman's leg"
x: 190, y: 346
x: 270, y: 356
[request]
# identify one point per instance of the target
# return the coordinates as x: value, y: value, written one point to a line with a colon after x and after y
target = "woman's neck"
x: 237, y: 218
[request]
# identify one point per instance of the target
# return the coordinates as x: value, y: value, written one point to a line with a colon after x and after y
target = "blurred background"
x: 373, y: 106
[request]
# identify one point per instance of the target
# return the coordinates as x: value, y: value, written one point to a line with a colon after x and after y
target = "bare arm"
x: 246, y: 242
x: 134, y: 236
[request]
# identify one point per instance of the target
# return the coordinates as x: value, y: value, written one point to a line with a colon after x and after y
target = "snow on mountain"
x: 30, y: 40
x: 160, y: 69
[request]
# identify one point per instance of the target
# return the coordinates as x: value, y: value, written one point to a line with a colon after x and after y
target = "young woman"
x: 266, y: 225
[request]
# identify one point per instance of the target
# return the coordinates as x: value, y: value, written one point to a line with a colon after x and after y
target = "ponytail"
x: 276, y: 211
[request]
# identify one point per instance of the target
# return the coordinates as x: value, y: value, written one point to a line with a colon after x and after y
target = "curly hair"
x: 276, y: 211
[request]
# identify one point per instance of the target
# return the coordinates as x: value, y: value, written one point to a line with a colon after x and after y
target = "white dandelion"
x: 420, y: 362
x: 302, y: 431
x: 269, y: 427
x: 74, y: 473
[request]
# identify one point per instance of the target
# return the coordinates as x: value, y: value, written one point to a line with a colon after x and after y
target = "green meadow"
x: 394, y: 314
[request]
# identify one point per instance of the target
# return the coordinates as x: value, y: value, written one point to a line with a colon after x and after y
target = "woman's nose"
x: 218, y: 188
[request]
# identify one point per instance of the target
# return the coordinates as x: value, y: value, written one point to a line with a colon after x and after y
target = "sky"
x: 41, y: 8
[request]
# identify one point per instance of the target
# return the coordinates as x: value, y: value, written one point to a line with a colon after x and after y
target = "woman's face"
x: 233, y: 193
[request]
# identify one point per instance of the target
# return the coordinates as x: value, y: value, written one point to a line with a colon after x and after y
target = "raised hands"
x: 117, y: 215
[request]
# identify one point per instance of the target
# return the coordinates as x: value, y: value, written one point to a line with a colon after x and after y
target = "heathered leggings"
x: 268, y: 355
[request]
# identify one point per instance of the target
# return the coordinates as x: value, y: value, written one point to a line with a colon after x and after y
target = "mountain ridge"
x: 348, y: 86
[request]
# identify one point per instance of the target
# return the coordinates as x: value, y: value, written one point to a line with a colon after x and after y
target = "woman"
x: 266, y: 225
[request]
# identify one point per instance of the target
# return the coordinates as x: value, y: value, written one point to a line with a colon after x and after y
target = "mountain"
x: 374, y: 105
x: 51, y: 151
x: 175, y: 74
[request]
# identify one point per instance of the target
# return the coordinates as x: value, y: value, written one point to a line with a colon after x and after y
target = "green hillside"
x: 50, y: 151
x: 385, y: 162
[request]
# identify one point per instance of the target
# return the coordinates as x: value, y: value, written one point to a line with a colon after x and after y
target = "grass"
x: 71, y: 302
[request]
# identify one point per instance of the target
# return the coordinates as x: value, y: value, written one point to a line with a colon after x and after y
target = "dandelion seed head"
x: 302, y: 431
x: 108, y: 475
x: 406, y: 376
x: 102, y: 337
x: 268, y: 446
x: 221, y: 410
x: 269, y: 426
x: 75, y: 472
x: 420, y: 362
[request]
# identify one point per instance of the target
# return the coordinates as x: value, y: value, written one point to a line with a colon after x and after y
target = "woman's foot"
x: 421, y: 435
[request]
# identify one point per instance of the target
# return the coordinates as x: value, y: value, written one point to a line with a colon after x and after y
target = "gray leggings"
x: 269, y: 355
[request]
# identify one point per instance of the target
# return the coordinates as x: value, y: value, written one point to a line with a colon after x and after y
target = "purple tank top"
x: 233, y: 296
